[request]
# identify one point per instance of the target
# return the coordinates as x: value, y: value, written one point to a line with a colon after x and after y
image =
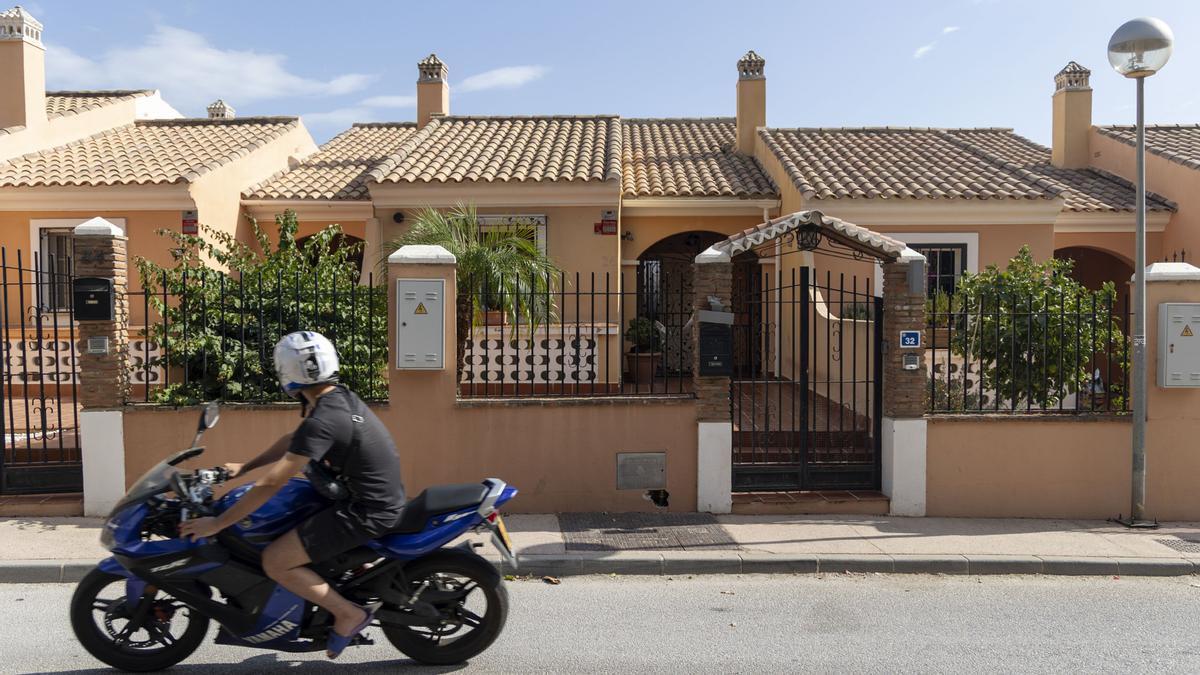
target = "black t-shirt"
x: 372, y: 471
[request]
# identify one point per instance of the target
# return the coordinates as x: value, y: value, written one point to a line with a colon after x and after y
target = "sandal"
x: 338, y: 642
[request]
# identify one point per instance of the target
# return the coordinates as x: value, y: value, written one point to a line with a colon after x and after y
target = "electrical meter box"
x: 1179, y: 344
x: 420, y: 324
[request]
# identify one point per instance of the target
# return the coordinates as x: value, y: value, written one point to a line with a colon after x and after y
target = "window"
x: 55, y: 250
x: 535, y: 222
x: 944, y: 264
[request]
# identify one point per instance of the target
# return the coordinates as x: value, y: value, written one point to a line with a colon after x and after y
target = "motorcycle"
x: 149, y: 606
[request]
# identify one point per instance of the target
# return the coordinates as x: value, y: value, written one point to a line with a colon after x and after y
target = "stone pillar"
x: 903, y: 424
x: 100, y: 251
x: 714, y: 466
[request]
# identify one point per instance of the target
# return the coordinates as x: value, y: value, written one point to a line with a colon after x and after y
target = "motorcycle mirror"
x: 210, y: 415
x: 208, y: 419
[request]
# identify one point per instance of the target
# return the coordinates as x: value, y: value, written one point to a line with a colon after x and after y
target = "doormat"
x: 643, y: 532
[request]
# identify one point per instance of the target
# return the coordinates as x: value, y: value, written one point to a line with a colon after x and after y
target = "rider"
x: 339, y: 442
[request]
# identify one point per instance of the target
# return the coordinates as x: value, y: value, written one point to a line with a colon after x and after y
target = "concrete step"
x: 50, y: 505
x: 823, y: 502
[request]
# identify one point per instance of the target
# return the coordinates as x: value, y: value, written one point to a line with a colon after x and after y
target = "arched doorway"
x: 665, y: 292
x: 1094, y: 266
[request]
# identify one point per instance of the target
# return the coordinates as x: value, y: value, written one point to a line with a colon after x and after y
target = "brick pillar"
x: 100, y: 251
x: 714, y: 479
x: 903, y: 424
x: 903, y: 390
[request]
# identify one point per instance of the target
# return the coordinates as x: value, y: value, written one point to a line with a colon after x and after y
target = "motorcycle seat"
x: 437, y: 500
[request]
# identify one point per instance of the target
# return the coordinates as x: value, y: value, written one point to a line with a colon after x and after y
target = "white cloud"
x: 191, y: 71
x: 508, y: 77
x: 923, y: 50
x: 390, y: 101
x: 949, y: 29
x: 338, y: 117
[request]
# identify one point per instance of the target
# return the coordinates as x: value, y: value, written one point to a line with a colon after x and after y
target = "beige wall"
x: 140, y: 226
x: 1025, y: 467
x: 1169, y: 179
x: 218, y: 194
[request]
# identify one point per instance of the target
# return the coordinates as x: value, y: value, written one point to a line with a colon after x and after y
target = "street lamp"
x: 1139, y: 49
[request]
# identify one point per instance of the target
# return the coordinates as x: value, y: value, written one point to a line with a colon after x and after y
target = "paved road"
x: 748, y: 624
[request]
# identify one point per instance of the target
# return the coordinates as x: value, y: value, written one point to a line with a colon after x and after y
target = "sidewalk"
x: 62, y: 549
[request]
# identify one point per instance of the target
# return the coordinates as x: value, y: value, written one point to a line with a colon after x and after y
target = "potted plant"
x: 645, y: 353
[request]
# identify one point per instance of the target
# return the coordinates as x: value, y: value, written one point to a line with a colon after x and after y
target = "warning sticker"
x: 1187, y: 332
x: 421, y: 309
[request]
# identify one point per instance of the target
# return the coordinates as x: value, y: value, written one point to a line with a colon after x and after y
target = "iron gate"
x: 39, y: 431
x: 805, y: 394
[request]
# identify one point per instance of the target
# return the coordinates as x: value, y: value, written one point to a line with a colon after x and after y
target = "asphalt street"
x: 748, y: 624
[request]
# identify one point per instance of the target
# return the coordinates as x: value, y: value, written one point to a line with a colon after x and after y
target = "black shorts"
x: 342, y: 527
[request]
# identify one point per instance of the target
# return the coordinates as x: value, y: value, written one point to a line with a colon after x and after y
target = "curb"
x: 738, y: 562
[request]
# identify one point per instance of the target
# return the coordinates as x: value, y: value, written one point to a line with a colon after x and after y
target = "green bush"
x: 228, y: 303
x: 1036, y: 329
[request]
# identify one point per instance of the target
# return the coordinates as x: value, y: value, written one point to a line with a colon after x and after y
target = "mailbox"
x: 420, y: 324
x: 716, y: 343
x: 93, y: 299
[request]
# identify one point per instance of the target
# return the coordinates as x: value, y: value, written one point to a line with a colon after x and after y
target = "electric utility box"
x: 1179, y: 344
x: 420, y: 324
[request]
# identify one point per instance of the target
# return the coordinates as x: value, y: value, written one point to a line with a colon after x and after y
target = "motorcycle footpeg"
x: 362, y: 639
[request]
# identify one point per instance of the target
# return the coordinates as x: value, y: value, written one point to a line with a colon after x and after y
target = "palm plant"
x: 498, y: 268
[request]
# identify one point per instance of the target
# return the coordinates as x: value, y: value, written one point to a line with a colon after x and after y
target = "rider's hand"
x: 234, y: 469
x: 199, y: 527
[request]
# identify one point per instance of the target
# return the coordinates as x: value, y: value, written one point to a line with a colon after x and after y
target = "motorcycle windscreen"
x: 154, y: 481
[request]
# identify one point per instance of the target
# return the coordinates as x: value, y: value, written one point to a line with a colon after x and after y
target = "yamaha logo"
x: 276, y: 631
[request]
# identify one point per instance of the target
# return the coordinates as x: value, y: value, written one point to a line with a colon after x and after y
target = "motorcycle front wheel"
x: 471, y: 621
x: 157, y: 632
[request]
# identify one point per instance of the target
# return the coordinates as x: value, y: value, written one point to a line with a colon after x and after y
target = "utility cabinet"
x: 420, y: 324
x: 1179, y: 344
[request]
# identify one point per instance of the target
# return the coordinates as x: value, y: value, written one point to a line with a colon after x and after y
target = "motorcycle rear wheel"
x: 446, y: 644
x: 94, y: 618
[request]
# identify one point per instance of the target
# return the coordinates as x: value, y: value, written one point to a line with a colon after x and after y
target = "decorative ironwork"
x: 809, y: 237
x: 806, y: 398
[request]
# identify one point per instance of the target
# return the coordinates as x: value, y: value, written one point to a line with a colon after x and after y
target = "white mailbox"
x: 1179, y: 344
x: 420, y: 324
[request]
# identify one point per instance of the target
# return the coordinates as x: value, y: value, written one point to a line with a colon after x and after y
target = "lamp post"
x: 1138, y: 49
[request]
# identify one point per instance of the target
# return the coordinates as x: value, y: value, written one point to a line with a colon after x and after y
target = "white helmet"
x: 305, y: 358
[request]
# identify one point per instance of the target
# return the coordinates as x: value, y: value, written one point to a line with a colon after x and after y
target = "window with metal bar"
x: 944, y: 264
x: 53, y: 284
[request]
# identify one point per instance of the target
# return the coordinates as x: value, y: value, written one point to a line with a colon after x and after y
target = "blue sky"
x: 846, y: 63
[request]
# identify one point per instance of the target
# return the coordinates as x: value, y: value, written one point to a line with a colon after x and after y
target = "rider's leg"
x: 284, y: 561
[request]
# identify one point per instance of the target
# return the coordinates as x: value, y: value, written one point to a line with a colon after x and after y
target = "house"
x: 127, y: 156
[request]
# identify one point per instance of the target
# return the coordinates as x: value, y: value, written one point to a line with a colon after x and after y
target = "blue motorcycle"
x: 149, y: 606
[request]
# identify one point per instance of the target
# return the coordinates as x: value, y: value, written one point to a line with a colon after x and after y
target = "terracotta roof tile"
x: 60, y: 103
x: 688, y: 158
x: 1083, y: 189
x: 1179, y: 143
x: 339, y: 169
x: 507, y: 149
x: 147, y: 152
x: 896, y: 163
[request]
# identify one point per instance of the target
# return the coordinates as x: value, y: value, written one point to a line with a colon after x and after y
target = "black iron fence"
x: 1015, y: 353
x: 39, y: 432
x: 205, y: 335
x: 573, y: 334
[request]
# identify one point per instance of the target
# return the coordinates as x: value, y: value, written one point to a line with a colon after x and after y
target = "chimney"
x: 220, y: 110
x: 1072, y: 124
x: 751, y: 100
x: 22, y: 70
x: 433, y: 91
